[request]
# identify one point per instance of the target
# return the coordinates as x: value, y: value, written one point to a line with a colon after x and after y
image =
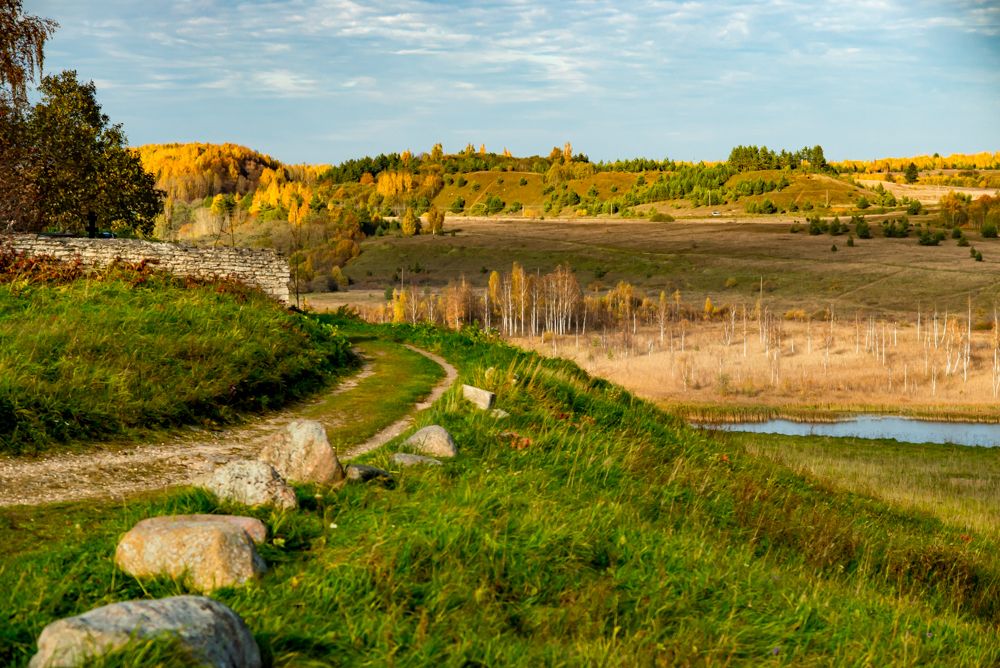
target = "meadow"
x: 588, y: 528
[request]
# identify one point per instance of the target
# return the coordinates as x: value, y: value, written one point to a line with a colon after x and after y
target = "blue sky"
x: 325, y: 80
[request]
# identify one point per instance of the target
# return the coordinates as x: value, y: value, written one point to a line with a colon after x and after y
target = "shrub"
x: 979, y: 256
x: 863, y: 202
x: 661, y: 218
x: 956, y: 233
x: 989, y: 231
x: 458, y: 205
x: 914, y: 208
x: 522, y: 182
x: 461, y: 182
x: 476, y: 186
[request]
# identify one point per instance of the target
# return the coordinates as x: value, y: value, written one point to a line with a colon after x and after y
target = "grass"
x: 116, y: 355
x: 588, y: 528
x: 399, y: 378
x: 958, y: 485
x: 718, y: 378
x: 699, y: 259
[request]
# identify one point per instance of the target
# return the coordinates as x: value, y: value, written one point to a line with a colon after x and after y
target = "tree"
x: 83, y: 173
x: 410, y: 224
x: 435, y: 220
x: 22, y: 39
x: 911, y: 174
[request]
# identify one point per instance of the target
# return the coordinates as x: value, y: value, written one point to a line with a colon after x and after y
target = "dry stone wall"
x: 261, y: 268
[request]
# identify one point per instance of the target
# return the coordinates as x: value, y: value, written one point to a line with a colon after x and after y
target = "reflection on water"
x: 869, y: 426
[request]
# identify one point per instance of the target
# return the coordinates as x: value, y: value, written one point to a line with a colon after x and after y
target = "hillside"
x: 103, y: 354
x: 586, y: 528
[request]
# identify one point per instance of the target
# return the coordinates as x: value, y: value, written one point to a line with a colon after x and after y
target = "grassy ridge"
x: 588, y: 528
x: 99, y: 357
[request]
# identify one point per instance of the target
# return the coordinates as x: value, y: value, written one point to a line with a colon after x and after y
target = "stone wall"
x: 261, y: 268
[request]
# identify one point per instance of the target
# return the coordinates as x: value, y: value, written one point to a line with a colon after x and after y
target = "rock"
x: 302, y: 453
x: 252, y: 483
x: 499, y: 413
x: 406, y: 459
x: 209, y: 551
x: 434, y: 441
x: 479, y: 397
x: 210, y: 631
x: 365, y: 473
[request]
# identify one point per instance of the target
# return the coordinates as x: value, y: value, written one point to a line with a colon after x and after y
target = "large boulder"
x: 302, y: 453
x: 213, y: 634
x: 481, y: 398
x: 208, y: 551
x: 434, y: 441
x: 406, y: 459
x: 252, y: 483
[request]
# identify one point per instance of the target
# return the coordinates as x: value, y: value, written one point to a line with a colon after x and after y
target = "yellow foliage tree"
x: 435, y: 220
x: 410, y: 224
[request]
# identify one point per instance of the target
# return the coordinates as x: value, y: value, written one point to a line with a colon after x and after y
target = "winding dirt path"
x: 401, y: 425
x: 116, y: 471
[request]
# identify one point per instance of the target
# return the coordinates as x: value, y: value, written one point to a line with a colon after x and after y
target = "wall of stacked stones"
x: 262, y: 268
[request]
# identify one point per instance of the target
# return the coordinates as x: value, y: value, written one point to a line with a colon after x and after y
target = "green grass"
x: 588, y: 528
x: 108, y: 357
x: 956, y: 484
x: 399, y: 378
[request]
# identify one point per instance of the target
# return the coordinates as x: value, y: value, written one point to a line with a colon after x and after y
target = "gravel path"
x: 117, y: 471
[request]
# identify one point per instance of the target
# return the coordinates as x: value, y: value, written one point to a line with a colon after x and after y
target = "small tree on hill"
x: 911, y: 174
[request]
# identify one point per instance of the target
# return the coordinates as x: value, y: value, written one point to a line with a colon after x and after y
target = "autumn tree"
x: 435, y: 220
x: 410, y: 224
x: 437, y: 153
x: 22, y: 41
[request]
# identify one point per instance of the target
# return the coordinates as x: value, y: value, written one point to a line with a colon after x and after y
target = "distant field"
x: 928, y: 194
x: 697, y: 258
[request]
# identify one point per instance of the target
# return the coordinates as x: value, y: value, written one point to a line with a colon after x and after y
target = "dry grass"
x: 927, y: 194
x: 813, y: 367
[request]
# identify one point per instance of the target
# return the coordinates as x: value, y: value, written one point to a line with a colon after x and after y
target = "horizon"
x: 683, y: 80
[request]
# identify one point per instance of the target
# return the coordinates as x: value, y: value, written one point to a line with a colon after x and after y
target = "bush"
x: 458, y: 205
x: 963, y: 242
x: 522, y: 182
x: 661, y: 218
x: 914, y: 208
x: 979, y: 256
x: 989, y: 231
x: 461, y: 182
x: 863, y: 202
x: 956, y: 233
x: 476, y: 186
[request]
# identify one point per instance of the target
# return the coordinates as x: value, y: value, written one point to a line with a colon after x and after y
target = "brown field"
x: 853, y: 366
x: 926, y: 194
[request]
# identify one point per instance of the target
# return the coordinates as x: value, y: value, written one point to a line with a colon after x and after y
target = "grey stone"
x: 252, y: 483
x: 210, y: 631
x: 499, y: 413
x: 302, y: 453
x: 481, y: 398
x: 406, y: 459
x: 207, y: 551
x: 364, y: 473
x: 433, y: 440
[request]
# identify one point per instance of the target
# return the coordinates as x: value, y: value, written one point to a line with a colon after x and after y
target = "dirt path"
x: 401, y: 425
x: 116, y: 471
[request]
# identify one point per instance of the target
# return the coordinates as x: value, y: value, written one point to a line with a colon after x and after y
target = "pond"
x: 907, y: 430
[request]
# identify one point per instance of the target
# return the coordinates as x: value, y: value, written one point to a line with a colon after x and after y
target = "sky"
x: 322, y: 81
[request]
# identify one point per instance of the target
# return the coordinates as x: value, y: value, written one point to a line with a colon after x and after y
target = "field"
x: 703, y: 370
x: 927, y: 194
x: 701, y: 258
x: 960, y: 486
x: 587, y: 528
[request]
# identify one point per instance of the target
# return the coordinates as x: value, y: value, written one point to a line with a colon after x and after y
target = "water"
x: 902, y: 429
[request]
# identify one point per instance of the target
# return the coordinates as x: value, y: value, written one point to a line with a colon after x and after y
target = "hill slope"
x: 587, y: 528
